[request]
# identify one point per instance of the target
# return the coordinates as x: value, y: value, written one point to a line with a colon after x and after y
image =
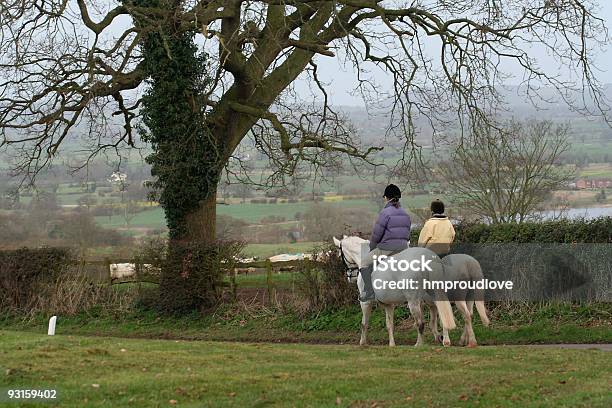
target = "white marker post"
x: 52, y: 322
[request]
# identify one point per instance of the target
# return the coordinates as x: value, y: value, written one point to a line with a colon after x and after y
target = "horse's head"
x: 350, y: 252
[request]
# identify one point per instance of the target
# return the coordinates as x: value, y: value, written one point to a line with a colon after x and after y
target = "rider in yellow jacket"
x: 438, y: 232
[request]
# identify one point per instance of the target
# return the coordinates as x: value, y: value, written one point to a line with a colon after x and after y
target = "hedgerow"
x: 598, y: 230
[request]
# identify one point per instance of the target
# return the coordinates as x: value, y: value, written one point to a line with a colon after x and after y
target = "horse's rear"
x: 462, y: 267
x: 433, y: 271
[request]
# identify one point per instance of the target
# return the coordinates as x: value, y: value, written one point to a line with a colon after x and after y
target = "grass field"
x: 112, y: 372
x: 253, y: 213
x: 597, y: 171
x: 154, y: 218
x: 544, y: 324
x: 260, y: 280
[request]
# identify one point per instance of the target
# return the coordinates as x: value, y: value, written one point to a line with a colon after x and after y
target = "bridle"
x: 352, y: 272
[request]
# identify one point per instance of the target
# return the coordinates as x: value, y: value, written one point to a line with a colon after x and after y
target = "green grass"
x: 112, y: 372
x: 153, y: 218
x: 253, y: 213
x: 260, y: 280
x: 251, y: 322
x: 600, y: 172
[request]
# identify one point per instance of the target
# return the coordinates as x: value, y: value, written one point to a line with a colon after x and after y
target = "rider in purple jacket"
x: 392, y: 229
x: 391, y: 234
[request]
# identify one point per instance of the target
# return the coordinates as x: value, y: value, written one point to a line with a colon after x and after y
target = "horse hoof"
x: 391, y: 344
x: 472, y: 344
x: 446, y: 343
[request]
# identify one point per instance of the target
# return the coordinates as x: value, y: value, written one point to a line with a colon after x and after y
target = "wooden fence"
x: 100, y: 271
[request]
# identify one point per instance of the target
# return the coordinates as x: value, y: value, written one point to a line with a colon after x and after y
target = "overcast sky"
x: 343, y: 79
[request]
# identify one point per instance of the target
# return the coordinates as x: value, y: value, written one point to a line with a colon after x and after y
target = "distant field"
x: 597, y: 171
x: 153, y: 218
x: 251, y: 213
x: 593, y: 150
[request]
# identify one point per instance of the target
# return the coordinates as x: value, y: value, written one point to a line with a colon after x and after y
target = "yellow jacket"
x: 437, y: 234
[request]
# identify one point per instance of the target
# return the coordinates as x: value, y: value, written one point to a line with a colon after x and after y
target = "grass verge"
x: 557, y: 323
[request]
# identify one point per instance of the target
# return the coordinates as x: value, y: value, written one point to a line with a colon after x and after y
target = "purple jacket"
x: 392, y: 229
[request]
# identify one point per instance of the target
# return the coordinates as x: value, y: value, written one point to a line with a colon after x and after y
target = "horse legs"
x: 366, y: 311
x: 417, y: 314
x: 468, y: 338
x: 433, y: 321
x: 389, y: 311
x: 465, y: 336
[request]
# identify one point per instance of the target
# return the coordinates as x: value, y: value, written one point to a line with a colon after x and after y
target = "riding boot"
x: 368, y: 289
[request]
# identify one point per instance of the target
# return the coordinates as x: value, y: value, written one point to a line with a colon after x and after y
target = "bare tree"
x: 506, y: 174
x: 65, y: 64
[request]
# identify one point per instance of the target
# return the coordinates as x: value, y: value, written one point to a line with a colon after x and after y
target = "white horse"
x: 350, y: 251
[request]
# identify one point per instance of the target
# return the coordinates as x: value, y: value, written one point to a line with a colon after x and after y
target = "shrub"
x: 321, y: 221
x: 324, y: 284
x: 229, y: 228
x: 192, y: 273
x: 598, y: 230
x: 272, y: 219
x: 25, y: 273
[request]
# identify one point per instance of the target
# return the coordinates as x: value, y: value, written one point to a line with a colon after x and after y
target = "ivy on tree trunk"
x: 186, y: 160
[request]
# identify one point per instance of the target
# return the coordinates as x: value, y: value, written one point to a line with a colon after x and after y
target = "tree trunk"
x: 201, y: 224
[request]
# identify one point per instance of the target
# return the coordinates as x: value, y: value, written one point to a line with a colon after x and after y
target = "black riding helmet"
x: 437, y: 207
x: 392, y: 192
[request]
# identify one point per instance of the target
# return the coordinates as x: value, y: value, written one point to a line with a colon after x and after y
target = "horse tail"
x: 482, y: 311
x: 446, y: 314
x: 476, y: 274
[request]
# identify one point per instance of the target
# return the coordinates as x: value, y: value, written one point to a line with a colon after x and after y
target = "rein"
x: 349, y: 269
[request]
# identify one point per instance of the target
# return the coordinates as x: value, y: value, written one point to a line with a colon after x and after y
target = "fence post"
x: 271, y: 294
x: 108, y: 270
x: 233, y: 285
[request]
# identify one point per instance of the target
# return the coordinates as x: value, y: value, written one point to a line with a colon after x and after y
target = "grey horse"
x: 351, y: 248
x: 462, y: 267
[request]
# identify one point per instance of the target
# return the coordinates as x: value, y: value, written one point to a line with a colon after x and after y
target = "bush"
x: 597, y: 230
x: 324, y: 284
x: 192, y: 273
x: 272, y: 219
x: 25, y: 273
x: 230, y: 228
